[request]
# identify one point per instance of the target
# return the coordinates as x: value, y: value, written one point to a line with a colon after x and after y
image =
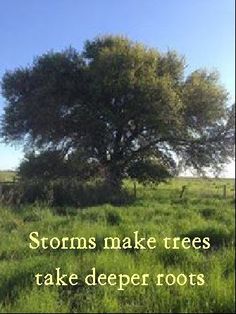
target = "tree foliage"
x: 130, y: 109
x: 52, y: 165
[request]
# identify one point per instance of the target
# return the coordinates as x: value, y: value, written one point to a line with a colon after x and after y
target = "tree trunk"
x: 113, y: 179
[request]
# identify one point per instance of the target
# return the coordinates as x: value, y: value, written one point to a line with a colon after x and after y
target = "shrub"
x: 218, y: 235
x: 208, y: 212
x: 64, y: 192
x: 113, y: 218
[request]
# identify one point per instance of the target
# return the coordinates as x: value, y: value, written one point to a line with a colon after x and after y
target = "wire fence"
x: 177, y: 189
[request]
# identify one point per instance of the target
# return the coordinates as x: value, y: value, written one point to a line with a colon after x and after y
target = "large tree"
x: 129, y: 108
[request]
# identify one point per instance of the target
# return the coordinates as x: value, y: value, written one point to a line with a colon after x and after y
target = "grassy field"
x: 7, y: 176
x: 157, y: 212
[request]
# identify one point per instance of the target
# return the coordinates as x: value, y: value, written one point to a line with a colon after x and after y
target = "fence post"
x: 182, y: 192
x: 135, y: 189
x: 224, y: 191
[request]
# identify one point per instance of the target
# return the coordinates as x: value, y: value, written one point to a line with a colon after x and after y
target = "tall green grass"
x: 157, y: 211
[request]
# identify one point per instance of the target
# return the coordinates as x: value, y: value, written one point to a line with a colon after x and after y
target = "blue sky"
x: 202, y: 30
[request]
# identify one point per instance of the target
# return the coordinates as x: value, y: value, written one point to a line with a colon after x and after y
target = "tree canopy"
x: 130, y: 109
